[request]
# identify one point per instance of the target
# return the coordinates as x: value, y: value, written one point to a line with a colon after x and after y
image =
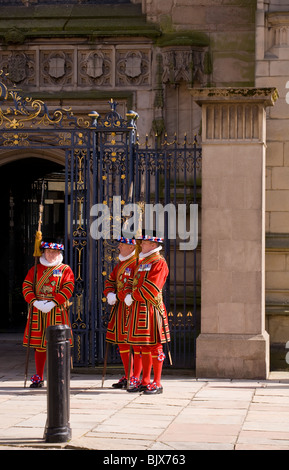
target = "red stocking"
x: 147, y: 365
x: 40, y: 358
x: 137, y: 361
x: 124, y: 354
x: 157, y: 359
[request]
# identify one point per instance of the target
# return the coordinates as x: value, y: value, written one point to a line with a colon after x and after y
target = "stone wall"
x: 225, y: 32
x: 230, y: 26
x: 272, y: 69
x: 147, y: 52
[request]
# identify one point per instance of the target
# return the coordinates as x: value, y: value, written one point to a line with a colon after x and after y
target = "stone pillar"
x: 233, y: 342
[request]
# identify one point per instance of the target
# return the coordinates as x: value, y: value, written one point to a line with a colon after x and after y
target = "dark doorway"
x: 20, y: 192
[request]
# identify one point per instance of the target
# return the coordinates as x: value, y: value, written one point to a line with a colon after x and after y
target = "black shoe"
x: 134, y: 385
x: 121, y: 384
x: 37, y: 382
x: 140, y: 389
x: 133, y: 389
x: 153, y: 389
x: 37, y: 385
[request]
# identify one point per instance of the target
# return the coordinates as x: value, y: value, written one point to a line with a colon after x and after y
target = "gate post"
x: 233, y: 342
x: 57, y: 428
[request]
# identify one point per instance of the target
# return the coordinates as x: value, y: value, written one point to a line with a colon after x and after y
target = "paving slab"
x: 192, y: 413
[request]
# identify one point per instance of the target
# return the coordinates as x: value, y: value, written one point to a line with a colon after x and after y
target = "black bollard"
x: 58, y: 384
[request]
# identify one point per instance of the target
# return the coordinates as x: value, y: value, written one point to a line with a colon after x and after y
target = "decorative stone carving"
x: 132, y: 68
x: 187, y: 64
x: 57, y: 68
x: 14, y: 36
x: 20, y: 66
x: 95, y: 68
x: 277, y: 32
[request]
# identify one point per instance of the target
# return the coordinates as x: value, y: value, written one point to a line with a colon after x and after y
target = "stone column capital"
x: 234, y: 114
x: 267, y: 96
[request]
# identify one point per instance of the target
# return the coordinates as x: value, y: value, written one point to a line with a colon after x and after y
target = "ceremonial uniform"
x: 148, y: 324
x: 54, y: 285
x: 117, y: 286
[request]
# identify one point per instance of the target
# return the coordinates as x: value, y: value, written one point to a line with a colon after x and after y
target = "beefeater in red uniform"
x: 148, y: 323
x: 117, y: 286
x: 53, y: 289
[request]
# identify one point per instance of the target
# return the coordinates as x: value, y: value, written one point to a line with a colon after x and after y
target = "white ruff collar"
x: 144, y: 255
x: 44, y: 261
x: 124, y: 258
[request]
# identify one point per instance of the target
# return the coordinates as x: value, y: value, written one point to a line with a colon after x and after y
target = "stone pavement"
x: 191, y: 414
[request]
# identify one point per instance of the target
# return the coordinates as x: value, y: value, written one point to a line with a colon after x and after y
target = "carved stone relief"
x: 184, y: 64
x: 105, y: 67
x: 56, y: 68
x: 95, y: 68
x: 20, y: 66
x: 277, y: 33
x: 132, y: 68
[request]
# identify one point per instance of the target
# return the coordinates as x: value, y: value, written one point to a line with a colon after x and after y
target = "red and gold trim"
x: 120, y: 283
x: 148, y: 313
x: 52, y: 283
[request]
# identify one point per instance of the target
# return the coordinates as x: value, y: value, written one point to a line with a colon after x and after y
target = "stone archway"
x: 21, y: 173
x: 55, y: 155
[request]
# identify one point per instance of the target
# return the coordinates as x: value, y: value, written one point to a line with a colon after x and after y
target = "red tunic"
x: 52, y: 283
x: 148, y: 316
x: 119, y: 282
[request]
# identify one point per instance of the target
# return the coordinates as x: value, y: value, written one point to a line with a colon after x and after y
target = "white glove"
x: 128, y: 300
x: 39, y: 304
x: 48, y: 306
x: 111, y: 298
x: 44, y: 305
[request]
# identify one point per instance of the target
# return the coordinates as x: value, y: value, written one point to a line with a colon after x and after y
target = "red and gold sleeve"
x: 27, y: 287
x: 152, y: 283
x: 66, y: 287
x: 121, y: 294
x: 127, y: 289
x: 110, y: 283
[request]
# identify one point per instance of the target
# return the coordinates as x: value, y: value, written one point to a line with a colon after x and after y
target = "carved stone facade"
x: 104, y: 69
x: 277, y: 33
x: 148, y: 53
x: 77, y: 68
x: 19, y: 66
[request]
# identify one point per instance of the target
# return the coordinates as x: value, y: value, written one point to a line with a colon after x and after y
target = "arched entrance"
x: 19, y: 198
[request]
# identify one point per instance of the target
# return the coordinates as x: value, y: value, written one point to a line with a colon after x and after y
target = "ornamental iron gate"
x: 103, y: 156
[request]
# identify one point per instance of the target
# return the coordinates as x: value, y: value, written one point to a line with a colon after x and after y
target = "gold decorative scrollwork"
x: 15, y: 139
x: 80, y: 169
x: 65, y: 138
x: 30, y: 113
x: 79, y: 245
